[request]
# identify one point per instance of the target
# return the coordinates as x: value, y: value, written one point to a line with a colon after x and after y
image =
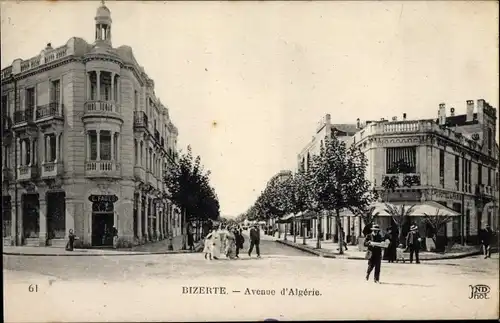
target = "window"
x: 401, y: 160
x: 490, y: 141
x: 441, y: 163
x: 6, y: 156
x: 50, y: 148
x: 55, y: 92
x: 30, y: 98
x: 457, y: 168
x: 136, y: 155
x: 5, y: 106
x: 35, y: 151
x: 116, y: 149
x: 479, y: 174
x: 489, y: 176
x: 93, y: 145
x: 136, y: 100
x: 465, y: 179
x: 25, y: 152
x: 470, y: 172
x: 105, y: 145
x: 142, y: 153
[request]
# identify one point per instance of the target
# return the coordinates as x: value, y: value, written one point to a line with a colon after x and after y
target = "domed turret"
x: 103, y: 25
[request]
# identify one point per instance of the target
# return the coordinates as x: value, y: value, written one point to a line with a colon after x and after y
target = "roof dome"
x: 103, y: 11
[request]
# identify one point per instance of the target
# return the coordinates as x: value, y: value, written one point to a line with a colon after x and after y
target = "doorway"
x: 56, y: 215
x: 103, y: 221
x: 31, y: 219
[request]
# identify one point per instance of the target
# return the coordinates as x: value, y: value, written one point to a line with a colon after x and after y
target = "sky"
x: 247, y: 82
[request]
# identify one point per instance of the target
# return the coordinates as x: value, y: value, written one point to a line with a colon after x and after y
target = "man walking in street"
x: 254, y: 240
x: 374, y: 242
x: 486, y: 240
x: 413, y: 243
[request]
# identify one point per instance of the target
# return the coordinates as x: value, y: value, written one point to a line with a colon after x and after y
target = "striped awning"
x: 430, y: 208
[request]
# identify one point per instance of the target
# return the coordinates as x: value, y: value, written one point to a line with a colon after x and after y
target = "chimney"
x: 404, y: 116
x: 480, y: 110
x: 470, y: 111
x: 49, y: 46
x: 394, y: 118
x: 442, y: 114
x: 328, y: 118
x: 452, y: 112
x: 358, y: 123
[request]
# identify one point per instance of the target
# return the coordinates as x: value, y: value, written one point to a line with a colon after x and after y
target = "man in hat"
x: 254, y: 240
x: 375, y: 244
x: 413, y: 243
x: 486, y: 234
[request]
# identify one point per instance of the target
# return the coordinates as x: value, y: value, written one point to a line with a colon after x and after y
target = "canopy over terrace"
x: 301, y: 215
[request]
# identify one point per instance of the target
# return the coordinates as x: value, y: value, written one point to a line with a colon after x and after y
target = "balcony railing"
x: 140, y: 119
x: 403, y: 126
x: 23, y: 116
x: 52, y: 169
x: 102, y: 168
x: 98, y: 107
x: 27, y: 172
x: 402, y: 180
x: 51, y: 110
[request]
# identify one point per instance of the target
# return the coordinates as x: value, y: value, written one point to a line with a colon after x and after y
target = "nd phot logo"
x: 479, y: 291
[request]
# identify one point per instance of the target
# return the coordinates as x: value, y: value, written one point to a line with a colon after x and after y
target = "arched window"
x: 116, y: 148
x: 60, y: 153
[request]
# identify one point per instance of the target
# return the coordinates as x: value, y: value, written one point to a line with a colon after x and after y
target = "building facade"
x: 86, y: 144
x: 451, y: 161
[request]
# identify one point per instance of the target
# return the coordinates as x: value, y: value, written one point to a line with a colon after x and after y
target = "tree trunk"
x: 294, y: 227
x: 303, y: 227
x: 318, y: 233
x: 341, y: 236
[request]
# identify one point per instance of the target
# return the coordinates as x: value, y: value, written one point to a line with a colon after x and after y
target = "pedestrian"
x: 486, y: 234
x: 254, y: 240
x: 413, y: 243
x: 375, y: 243
x: 207, y: 250
x: 344, y: 239
x: 71, y: 240
x: 240, y: 240
x: 216, y: 243
x: 390, y: 251
x: 190, y: 238
x: 114, y: 234
x: 400, y: 253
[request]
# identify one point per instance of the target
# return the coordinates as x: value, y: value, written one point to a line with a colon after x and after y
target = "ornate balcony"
x: 102, y: 169
x: 140, y: 120
x: 52, y: 169
x: 401, y: 180
x: 101, y: 109
x: 49, y: 112
x: 27, y: 172
x: 23, y: 117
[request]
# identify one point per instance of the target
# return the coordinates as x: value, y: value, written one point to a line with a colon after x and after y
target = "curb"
x: 333, y: 256
x: 197, y: 249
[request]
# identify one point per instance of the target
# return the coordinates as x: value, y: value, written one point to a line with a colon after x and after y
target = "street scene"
x: 284, y: 174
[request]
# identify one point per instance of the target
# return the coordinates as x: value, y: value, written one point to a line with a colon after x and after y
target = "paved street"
x: 149, y: 287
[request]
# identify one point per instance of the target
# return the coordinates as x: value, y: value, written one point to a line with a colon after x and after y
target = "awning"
x: 430, y: 208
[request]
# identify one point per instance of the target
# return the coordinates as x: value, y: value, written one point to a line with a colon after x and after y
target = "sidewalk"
x: 329, y: 250
x: 155, y: 248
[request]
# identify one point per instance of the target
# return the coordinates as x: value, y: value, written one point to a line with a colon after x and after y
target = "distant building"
x: 449, y: 162
x: 86, y: 144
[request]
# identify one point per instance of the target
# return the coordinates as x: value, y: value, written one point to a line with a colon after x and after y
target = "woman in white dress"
x: 207, y: 250
x: 216, y: 244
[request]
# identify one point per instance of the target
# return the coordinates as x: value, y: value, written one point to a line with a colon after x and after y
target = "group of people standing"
x: 228, y: 241
x: 393, y: 250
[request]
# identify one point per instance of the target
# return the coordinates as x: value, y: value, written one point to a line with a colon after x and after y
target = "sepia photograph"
x: 209, y: 161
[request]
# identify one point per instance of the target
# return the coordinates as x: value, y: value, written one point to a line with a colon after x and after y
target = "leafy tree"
x: 337, y: 180
x: 437, y: 223
x: 400, y: 215
x: 189, y: 188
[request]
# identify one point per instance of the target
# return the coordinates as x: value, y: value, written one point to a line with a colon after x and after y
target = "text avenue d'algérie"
x: 218, y: 290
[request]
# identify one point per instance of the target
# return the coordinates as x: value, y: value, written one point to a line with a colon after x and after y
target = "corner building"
x: 86, y: 143
x: 449, y: 162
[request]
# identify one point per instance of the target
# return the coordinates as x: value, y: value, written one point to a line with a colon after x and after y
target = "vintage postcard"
x: 249, y: 160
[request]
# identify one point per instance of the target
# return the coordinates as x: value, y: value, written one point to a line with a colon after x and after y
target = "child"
x: 208, y: 245
x: 399, y: 253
